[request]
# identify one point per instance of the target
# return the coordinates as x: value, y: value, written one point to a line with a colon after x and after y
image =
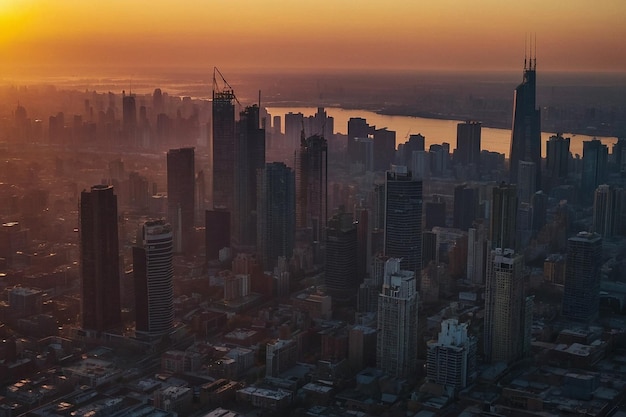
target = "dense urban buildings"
x: 99, y: 260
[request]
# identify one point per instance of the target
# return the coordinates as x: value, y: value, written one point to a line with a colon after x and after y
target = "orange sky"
x: 72, y: 36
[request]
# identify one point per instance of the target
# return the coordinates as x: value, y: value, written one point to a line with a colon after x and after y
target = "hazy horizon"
x: 44, y: 37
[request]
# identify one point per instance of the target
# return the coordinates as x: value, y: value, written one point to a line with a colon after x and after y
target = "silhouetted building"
x: 526, y: 181
x: 249, y: 157
x: 435, y: 212
x: 217, y: 229
x: 129, y: 119
x: 416, y: 143
x: 181, y: 189
x: 294, y: 123
x: 595, y: 156
x: 312, y: 187
x: 604, y: 213
x: 477, y: 251
x: 526, y: 130
x: 153, y: 273
x: 581, y: 293
x: 99, y: 259
x: 357, y: 129
x: 503, y: 216
x: 276, y: 211
x: 466, y: 206
x: 223, y: 149
x: 341, y: 277
x: 396, y: 346
x: 384, y: 148
x: 505, y: 307
x: 557, y: 159
x: 468, y: 143
x: 403, y: 218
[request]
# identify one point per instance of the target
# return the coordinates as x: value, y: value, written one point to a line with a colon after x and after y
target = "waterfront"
x: 434, y: 130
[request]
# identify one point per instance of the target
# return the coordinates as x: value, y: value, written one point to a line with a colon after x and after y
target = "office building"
x: 294, y: 123
x: 505, y: 304
x: 312, y: 187
x: 526, y: 130
x: 526, y: 181
x: 217, y: 233
x: 341, y: 277
x: 181, y: 180
x: 129, y: 119
x: 396, y: 344
x: 557, y: 159
x: 581, y: 293
x: 468, y: 143
x: 403, y: 218
x: 357, y: 129
x: 466, y: 206
x: 477, y: 249
x: 416, y: 143
x: 99, y: 260
x: 384, y: 149
x: 451, y: 359
x: 276, y: 213
x: 595, y: 156
x: 249, y: 157
x: 223, y: 148
x: 280, y: 355
x: 153, y: 272
x: 604, y: 213
x: 503, y: 216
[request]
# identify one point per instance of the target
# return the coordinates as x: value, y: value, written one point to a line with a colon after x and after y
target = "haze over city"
x: 44, y: 37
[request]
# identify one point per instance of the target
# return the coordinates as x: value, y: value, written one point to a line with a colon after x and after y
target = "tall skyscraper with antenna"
x: 526, y: 130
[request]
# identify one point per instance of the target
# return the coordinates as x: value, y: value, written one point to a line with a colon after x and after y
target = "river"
x: 434, y: 130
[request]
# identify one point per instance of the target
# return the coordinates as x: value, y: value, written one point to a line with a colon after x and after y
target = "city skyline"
x: 70, y: 38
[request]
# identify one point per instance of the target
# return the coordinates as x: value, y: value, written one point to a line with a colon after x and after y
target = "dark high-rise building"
x: 384, y: 148
x: 557, y: 157
x: 414, y: 144
x: 595, y: 156
x: 294, y: 123
x: 403, y: 218
x: 217, y: 229
x: 357, y: 128
x: 503, y: 216
x: 99, y: 259
x: 129, y: 114
x: 181, y: 190
x: 468, y: 143
x: 505, y: 307
x: 223, y: 148
x: 526, y: 181
x: 581, y: 293
x: 526, y: 130
x: 276, y: 213
x: 341, y: 257
x: 153, y: 272
x: 604, y: 210
x: 249, y: 157
x: 435, y: 212
x: 312, y: 186
x: 466, y: 206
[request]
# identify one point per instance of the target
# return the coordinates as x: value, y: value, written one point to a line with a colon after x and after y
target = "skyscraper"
x: 466, y: 206
x: 557, y: 159
x: 341, y: 277
x: 276, y: 213
x: 604, y: 213
x: 526, y: 130
x: 384, y: 148
x: 503, y: 216
x: 581, y: 293
x: 129, y: 114
x: 505, y: 304
x: 595, y: 156
x: 468, y: 143
x: 153, y: 272
x: 250, y: 157
x: 181, y: 196
x: 312, y: 186
x: 403, y: 218
x: 217, y: 232
x: 526, y: 181
x: 99, y: 259
x: 357, y: 129
x: 223, y: 148
x: 396, y: 348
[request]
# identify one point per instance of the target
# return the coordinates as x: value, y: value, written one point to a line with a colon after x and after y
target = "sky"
x: 74, y: 37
